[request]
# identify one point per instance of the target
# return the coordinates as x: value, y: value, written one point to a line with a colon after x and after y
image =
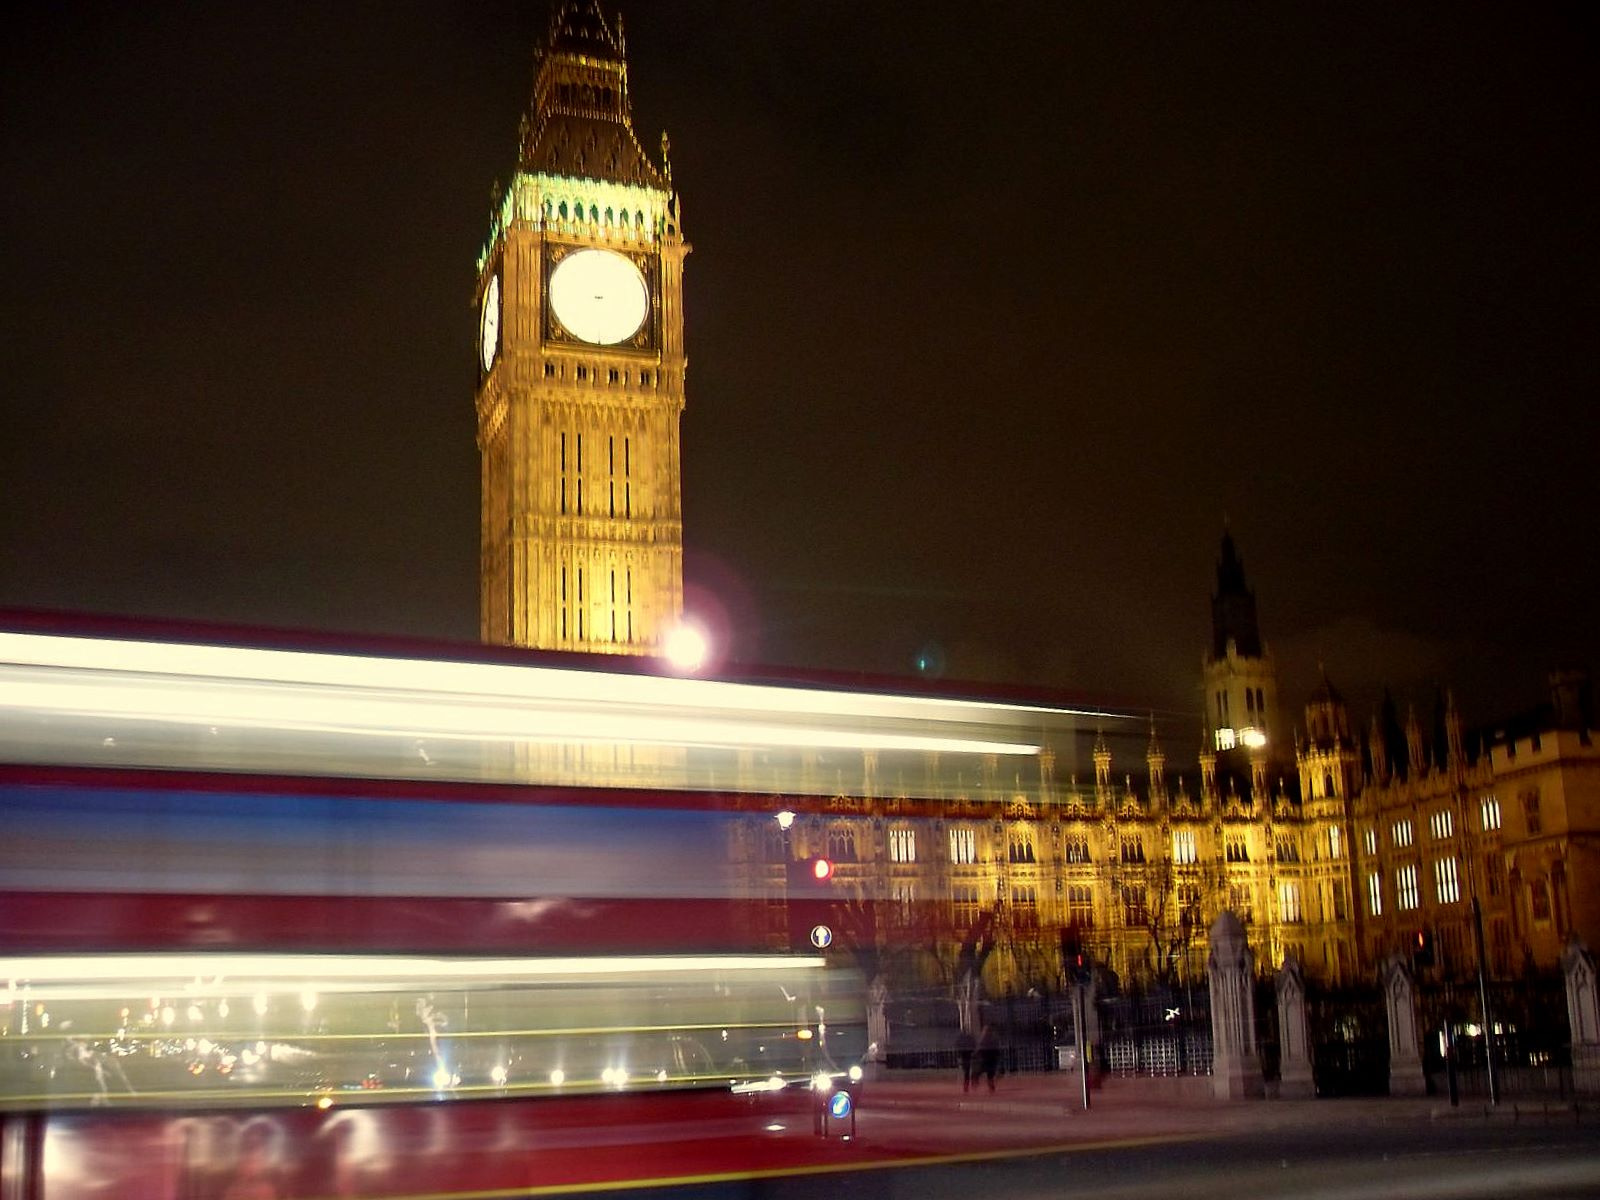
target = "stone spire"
x: 1379, y: 751
x: 1416, y: 752
x: 1208, y: 770
x: 1156, y: 762
x: 1233, y: 607
x: 1102, y: 763
x: 581, y: 119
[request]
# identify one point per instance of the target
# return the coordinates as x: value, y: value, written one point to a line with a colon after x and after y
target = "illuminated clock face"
x: 600, y: 296
x: 489, y: 324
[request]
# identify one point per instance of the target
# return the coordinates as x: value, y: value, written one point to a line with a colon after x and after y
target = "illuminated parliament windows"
x: 1183, y: 847
x: 963, y: 846
x: 903, y: 845
x: 1406, y: 895
x: 1446, y: 883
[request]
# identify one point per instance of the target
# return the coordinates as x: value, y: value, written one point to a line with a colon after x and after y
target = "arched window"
x: 1327, y: 783
x: 610, y: 217
x: 842, y: 845
x: 563, y: 210
x: 594, y: 213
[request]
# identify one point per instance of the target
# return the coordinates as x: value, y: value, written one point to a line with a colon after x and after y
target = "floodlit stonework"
x: 1339, y: 861
x: 581, y: 367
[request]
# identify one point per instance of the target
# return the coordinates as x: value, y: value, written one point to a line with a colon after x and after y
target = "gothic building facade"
x: 1337, y: 848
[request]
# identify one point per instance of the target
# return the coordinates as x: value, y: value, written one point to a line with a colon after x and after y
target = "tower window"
x: 1183, y: 847
x: 963, y: 846
x: 1289, y: 901
x: 842, y: 845
x: 1489, y: 807
x: 612, y: 375
x: 1080, y: 906
x: 1405, y: 887
x: 1531, y: 816
x: 1446, y: 881
x: 549, y: 370
x: 644, y: 378
x: 903, y: 845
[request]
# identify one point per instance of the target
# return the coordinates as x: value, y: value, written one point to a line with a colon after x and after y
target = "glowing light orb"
x: 686, y: 647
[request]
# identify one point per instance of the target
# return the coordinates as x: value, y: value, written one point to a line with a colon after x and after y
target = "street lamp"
x: 686, y: 647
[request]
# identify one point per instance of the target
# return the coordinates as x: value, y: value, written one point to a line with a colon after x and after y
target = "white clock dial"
x: 489, y: 324
x: 600, y: 296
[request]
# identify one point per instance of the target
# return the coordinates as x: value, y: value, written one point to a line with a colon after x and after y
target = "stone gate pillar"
x: 1406, y: 1077
x: 1236, y: 1067
x: 1295, y: 1078
x: 1583, y: 1015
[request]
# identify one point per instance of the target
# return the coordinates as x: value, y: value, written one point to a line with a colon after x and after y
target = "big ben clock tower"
x: 581, y: 366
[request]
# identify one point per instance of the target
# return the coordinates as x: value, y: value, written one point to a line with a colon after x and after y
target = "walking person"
x: 965, y: 1047
x: 988, y: 1054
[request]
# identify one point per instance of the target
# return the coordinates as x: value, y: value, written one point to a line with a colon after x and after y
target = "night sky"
x: 996, y: 313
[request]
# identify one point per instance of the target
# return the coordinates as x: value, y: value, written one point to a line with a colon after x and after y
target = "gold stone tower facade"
x: 581, y: 366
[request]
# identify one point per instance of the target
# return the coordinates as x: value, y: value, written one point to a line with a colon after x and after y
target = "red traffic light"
x: 821, y: 870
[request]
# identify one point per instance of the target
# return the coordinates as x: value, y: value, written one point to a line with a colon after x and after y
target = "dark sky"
x: 995, y: 312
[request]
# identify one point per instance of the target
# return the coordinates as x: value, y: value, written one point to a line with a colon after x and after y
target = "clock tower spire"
x: 581, y: 366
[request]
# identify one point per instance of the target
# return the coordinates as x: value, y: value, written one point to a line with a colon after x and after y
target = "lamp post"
x: 1485, y: 1014
x: 785, y: 820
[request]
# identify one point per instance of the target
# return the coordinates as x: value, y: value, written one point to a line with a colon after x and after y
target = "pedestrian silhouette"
x: 988, y: 1054
x: 965, y: 1046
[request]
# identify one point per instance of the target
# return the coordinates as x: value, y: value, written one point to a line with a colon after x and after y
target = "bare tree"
x: 1166, y: 905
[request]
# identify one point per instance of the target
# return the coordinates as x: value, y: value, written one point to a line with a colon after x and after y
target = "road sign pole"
x: 1083, y: 1042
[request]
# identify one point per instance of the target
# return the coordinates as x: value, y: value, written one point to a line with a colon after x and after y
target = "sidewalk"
x: 1050, y: 1104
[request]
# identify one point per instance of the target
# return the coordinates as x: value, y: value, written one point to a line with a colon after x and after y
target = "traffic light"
x: 809, y: 902
x: 1422, y: 948
x: 1074, y: 961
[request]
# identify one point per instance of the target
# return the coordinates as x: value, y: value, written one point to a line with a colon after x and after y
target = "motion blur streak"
x: 149, y: 704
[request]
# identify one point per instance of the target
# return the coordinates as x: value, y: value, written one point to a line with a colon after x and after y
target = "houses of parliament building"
x: 1338, y: 842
